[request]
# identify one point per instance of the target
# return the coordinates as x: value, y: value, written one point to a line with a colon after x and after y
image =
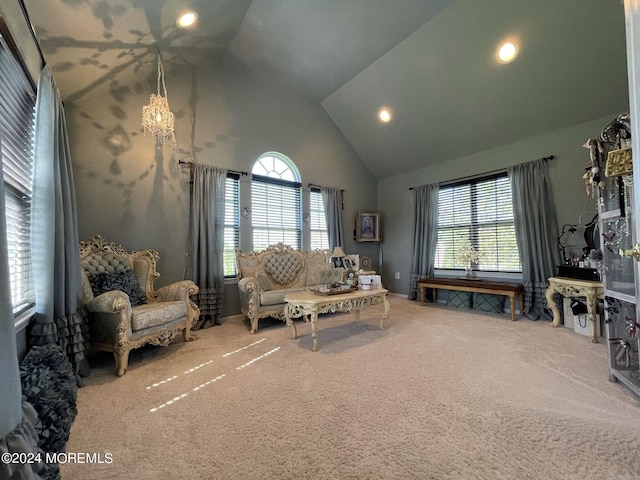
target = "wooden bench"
x: 474, y: 285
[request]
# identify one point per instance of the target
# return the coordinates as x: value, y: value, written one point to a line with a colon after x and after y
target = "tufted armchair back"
x: 100, y: 256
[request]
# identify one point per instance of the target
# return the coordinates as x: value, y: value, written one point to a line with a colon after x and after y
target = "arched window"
x: 276, y: 202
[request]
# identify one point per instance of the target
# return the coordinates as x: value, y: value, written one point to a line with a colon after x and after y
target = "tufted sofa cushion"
x: 284, y: 269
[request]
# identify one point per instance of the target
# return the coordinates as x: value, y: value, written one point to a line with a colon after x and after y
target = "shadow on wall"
x: 107, y: 108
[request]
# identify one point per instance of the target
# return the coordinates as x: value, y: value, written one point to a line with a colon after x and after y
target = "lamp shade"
x: 338, y: 252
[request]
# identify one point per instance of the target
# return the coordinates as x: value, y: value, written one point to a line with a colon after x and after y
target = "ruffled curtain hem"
x: 70, y: 332
x: 23, y: 439
x: 210, y: 301
x: 535, y: 301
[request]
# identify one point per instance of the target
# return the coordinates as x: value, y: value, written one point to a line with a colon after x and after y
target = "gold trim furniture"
x: 115, y: 324
x: 511, y: 290
x: 267, y: 276
x: 571, y: 287
x: 309, y: 304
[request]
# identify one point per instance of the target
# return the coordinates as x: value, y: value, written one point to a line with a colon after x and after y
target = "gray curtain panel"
x: 536, y: 232
x: 332, y: 199
x: 206, y: 241
x: 55, y: 248
x: 424, y: 236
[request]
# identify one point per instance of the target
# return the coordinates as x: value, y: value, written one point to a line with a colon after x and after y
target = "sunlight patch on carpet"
x: 184, y: 395
x: 162, y: 382
x: 257, y: 358
x: 198, y: 367
x: 243, y: 348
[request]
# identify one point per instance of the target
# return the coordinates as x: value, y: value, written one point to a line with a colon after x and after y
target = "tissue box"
x: 374, y: 281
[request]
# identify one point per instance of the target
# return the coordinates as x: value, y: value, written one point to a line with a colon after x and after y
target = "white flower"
x: 468, y: 254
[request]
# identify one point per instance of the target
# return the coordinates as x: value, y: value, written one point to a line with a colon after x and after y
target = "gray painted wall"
x: 395, y: 201
x: 138, y: 196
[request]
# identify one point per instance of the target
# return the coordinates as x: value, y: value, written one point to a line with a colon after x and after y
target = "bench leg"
x: 512, y: 305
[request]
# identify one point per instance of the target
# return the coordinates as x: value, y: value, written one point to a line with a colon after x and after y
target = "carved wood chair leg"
x: 122, y: 362
x: 186, y: 334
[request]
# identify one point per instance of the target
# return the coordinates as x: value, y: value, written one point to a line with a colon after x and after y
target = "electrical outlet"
x: 397, y: 275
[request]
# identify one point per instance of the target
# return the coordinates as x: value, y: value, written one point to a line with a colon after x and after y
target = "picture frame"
x: 355, y: 261
x: 346, y: 263
x: 367, y: 226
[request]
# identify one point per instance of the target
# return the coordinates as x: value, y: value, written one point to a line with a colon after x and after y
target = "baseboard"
x: 238, y: 317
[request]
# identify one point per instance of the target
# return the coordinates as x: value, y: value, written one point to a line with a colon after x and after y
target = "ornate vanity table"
x: 571, y: 287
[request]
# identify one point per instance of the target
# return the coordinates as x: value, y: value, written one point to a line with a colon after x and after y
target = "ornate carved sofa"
x: 265, y: 277
x: 124, y: 309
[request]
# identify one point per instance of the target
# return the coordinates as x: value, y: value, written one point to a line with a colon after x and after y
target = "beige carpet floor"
x: 439, y: 394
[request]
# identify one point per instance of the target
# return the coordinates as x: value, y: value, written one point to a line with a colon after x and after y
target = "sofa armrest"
x: 249, y: 289
x: 181, y: 290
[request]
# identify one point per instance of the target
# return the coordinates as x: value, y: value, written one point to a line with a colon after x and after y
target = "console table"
x: 309, y: 303
x: 571, y: 287
x: 511, y: 290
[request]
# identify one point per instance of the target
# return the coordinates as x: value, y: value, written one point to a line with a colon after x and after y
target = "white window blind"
x: 17, y: 103
x: 479, y: 212
x: 317, y: 222
x: 231, y: 224
x: 275, y: 215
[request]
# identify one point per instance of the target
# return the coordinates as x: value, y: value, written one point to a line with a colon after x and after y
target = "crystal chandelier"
x: 157, y: 119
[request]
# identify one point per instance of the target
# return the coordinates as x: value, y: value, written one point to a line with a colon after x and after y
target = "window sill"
x: 506, y: 276
x: 22, y: 320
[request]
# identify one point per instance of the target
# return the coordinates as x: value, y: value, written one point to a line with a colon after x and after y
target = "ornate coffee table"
x: 309, y: 303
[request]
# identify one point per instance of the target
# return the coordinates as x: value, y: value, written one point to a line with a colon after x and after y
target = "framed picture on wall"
x: 367, y: 227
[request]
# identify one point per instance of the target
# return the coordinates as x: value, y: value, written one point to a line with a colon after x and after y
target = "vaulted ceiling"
x: 432, y: 63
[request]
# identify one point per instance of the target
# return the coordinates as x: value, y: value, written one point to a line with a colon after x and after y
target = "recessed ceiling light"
x: 384, y: 115
x: 507, y: 52
x: 187, y: 19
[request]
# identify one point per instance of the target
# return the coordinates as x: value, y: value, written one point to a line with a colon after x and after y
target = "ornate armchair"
x: 124, y: 309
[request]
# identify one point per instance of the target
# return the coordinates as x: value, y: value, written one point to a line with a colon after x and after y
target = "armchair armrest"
x: 110, y: 321
x: 109, y: 302
x: 181, y: 290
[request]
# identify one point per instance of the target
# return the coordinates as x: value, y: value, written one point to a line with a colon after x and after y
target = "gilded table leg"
x: 356, y: 312
x: 385, y: 315
x: 289, y: 320
x: 314, y: 334
x: 591, y: 304
x: 552, y: 305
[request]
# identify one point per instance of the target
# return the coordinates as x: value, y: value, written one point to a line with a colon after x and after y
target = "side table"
x: 571, y: 287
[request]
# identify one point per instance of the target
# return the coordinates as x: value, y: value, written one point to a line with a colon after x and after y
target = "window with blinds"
x: 276, y: 202
x: 275, y: 212
x: 17, y: 102
x: 317, y: 221
x: 231, y: 224
x: 477, y: 213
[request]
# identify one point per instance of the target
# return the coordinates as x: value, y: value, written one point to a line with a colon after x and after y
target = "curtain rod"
x: 550, y: 157
x: 182, y: 162
x: 310, y: 185
x: 23, y: 7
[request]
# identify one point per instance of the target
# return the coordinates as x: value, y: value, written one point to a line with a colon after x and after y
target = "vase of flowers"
x: 468, y: 255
